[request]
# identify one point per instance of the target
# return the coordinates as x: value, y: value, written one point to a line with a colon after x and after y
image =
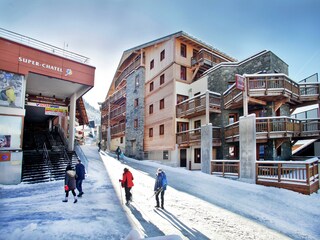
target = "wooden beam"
x: 279, y: 142
x: 195, y: 72
x: 257, y: 101
x: 280, y: 103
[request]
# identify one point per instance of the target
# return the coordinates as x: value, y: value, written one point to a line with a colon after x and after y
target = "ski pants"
x: 162, y: 198
x: 128, y: 193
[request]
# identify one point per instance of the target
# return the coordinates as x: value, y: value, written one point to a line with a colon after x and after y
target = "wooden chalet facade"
x: 165, y: 90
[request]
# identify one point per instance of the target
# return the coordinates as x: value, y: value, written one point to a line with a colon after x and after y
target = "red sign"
x: 5, y: 156
x: 240, y: 82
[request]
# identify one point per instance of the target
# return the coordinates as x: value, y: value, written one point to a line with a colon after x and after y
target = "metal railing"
x: 46, y: 157
x: 42, y: 46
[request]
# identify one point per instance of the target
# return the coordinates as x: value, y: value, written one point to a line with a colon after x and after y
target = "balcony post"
x: 206, y: 148
x: 247, y: 140
x: 207, y: 108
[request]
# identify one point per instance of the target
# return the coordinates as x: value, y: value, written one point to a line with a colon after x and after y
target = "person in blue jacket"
x: 160, y: 187
x: 80, y: 176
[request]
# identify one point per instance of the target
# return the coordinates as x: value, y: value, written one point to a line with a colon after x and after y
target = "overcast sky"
x: 103, y: 29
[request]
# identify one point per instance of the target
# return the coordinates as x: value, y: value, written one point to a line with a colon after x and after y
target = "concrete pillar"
x: 247, y: 126
x: 206, y: 148
x: 72, y: 119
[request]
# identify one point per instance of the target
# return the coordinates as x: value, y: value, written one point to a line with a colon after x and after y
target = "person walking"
x: 118, y: 152
x: 80, y: 176
x: 160, y: 187
x: 127, y: 184
x: 99, y: 146
x: 70, y: 183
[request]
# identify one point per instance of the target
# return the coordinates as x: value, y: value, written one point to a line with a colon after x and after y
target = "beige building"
x: 163, y: 70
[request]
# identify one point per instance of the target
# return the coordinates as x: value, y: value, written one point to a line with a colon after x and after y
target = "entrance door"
x: 183, y: 157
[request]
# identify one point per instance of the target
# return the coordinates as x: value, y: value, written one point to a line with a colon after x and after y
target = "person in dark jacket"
x: 118, y: 152
x: 160, y: 187
x: 70, y: 183
x: 80, y: 176
x: 127, y: 183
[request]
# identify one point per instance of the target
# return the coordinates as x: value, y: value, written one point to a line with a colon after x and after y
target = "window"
x: 181, y: 98
x: 165, y: 155
x: 233, y: 152
x: 197, y: 155
x: 194, y: 53
x: 233, y: 117
x: 183, y: 73
x: 161, y: 104
x: 151, y: 87
x: 161, y: 129
x: 182, y: 126
x: 136, y: 102
x: 152, y: 64
x: 121, y: 140
x: 136, y: 81
x: 183, y: 50
x: 151, y: 109
x: 150, y: 132
x: 197, y: 124
x: 162, y: 79
x: 136, y: 123
x: 162, y: 55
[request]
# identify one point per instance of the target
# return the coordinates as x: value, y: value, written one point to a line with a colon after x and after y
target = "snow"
x: 197, y: 206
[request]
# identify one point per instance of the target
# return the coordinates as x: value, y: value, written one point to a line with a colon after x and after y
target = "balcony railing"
x: 42, y: 46
x: 278, y: 127
x: 134, y: 65
x: 270, y: 85
x: 117, y: 129
x: 120, y: 111
x: 309, y: 91
x: 193, y: 137
x: 225, y: 168
x: 197, y: 105
x: 121, y: 93
x: 299, y: 176
x: 204, y: 57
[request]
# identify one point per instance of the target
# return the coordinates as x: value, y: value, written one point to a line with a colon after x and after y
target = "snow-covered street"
x: 197, y: 206
x: 200, y: 206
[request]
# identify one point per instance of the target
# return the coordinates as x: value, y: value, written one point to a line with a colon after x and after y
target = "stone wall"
x: 220, y: 78
x: 134, y: 136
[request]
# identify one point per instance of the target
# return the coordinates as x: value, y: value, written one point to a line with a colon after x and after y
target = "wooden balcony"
x: 196, y: 106
x: 117, y: 96
x: 299, y: 176
x: 125, y: 72
x: 118, y: 114
x: 263, y: 88
x: 203, y: 60
x: 225, y: 168
x: 278, y: 127
x: 118, y: 130
x: 193, y: 137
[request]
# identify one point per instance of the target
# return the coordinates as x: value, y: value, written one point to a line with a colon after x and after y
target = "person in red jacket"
x: 127, y: 183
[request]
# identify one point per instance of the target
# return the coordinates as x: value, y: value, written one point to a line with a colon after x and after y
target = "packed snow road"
x: 200, y: 206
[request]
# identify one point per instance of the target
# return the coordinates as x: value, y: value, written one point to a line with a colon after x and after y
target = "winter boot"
x: 65, y: 200
x: 75, y: 200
